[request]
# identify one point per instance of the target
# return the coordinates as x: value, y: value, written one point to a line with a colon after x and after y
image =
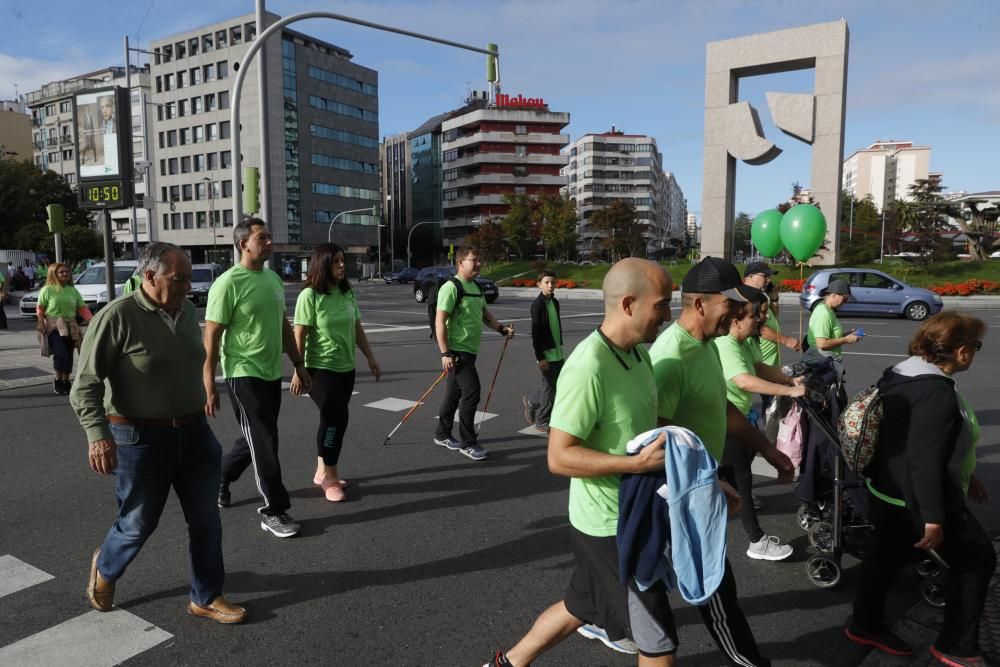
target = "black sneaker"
x: 57, y: 387
x: 884, y: 640
x: 498, y: 660
x: 224, y: 495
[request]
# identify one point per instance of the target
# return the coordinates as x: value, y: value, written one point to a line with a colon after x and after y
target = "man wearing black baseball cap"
x: 691, y: 392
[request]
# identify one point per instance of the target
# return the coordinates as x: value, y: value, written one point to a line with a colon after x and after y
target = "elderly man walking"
x: 139, y: 397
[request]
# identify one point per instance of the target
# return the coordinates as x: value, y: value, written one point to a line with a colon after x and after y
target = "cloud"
x: 31, y: 74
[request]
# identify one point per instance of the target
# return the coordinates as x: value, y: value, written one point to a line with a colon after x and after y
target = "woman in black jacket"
x: 919, y: 477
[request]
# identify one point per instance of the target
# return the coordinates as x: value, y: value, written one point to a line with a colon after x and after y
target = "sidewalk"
x: 984, y: 302
x: 21, y: 364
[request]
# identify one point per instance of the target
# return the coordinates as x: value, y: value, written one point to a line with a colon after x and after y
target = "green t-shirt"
x: 556, y: 353
x: 131, y: 284
x: 58, y: 302
x: 465, y: 328
x: 737, y: 358
x: 823, y: 323
x: 331, y: 319
x: 691, y: 386
x: 968, y: 465
x: 251, y: 305
x: 770, y: 351
x: 605, y: 405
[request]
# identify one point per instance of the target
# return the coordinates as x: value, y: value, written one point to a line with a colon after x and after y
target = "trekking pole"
x: 482, y: 415
x: 415, y: 406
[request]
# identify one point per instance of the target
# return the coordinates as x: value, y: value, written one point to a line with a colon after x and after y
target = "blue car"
x: 401, y: 277
x: 873, y: 292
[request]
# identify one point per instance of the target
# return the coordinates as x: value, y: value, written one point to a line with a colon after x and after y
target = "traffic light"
x: 55, y: 213
x: 491, y: 64
x: 251, y: 189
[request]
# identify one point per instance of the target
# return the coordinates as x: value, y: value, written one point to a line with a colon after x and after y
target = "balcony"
x: 38, y: 145
x: 505, y: 158
x: 66, y: 139
x: 507, y: 179
x: 476, y: 200
x: 507, y: 138
x: 51, y: 141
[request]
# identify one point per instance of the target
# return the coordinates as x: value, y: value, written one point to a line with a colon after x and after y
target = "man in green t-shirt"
x: 606, y: 396
x: 458, y: 327
x: 245, y: 321
x: 547, y: 341
x: 825, y: 332
x: 692, y: 393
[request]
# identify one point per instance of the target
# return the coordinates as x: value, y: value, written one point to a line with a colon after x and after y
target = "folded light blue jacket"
x: 672, y: 525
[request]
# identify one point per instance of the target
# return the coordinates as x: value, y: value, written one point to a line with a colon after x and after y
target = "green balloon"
x: 803, y: 229
x: 765, y: 232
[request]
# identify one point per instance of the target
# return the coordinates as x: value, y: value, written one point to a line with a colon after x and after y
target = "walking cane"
x: 482, y: 415
x: 415, y: 406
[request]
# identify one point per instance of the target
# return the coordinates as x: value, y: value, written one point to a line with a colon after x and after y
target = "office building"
x: 885, y: 171
x: 53, y: 139
x: 322, y: 152
x: 613, y: 166
x: 495, y: 146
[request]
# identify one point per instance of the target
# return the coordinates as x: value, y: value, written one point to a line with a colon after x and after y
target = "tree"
x: 978, y: 219
x: 489, y: 239
x: 622, y: 231
x: 25, y: 191
x: 78, y: 242
x: 861, y: 236
x: 517, y: 225
x: 741, y: 232
x: 925, y: 217
x: 559, y: 222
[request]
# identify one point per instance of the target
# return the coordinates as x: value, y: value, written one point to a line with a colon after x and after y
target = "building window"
x: 342, y: 136
x: 180, y: 50
x: 210, y: 102
x: 200, y: 190
x: 171, y: 138
x: 220, y: 39
x: 250, y: 30
x: 199, y: 162
x: 520, y: 151
x: 223, y: 69
x: 189, y: 221
x: 163, y: 169
x: 198, y: 134
x: 175, y: 193
x: 64, y: 107
x: 175, y: 221
x: 168, y: 82
x: 195, y: 73
x: 520, y: 170
x: 342, y: 81
x: 196, y: 105
x: 520, y: 129
x: 450, y: 174
x: 70, y: 178
x: 450, y: 155
x: 227, y: 188
x: 182, y: 108
x: 227, y: 217
x: 519, y: 190
x: 452, y: 195
x: 213, y: 160
x: 53, y: 157
x: 181, y: 79
x: 321, y: 160
x: 201, y: 220
x: 224, y: 132
x: 333, y: 106
x: 333, y: 190
x: 206, y: 43
x: 211, y: 132
x: 224, y: 99
x: 226, y: 159
x: 162, y: 140
x: 184, y: 136
x: 236, y: 35
x: 166, y: 222
x: 187, y: 192
x: 186, y: 164
x: 209, y: 73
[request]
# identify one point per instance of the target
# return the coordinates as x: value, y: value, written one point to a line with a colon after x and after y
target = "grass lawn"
x: 908, y: 272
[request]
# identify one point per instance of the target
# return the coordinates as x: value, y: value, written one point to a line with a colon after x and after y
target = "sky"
x: 918, y: 70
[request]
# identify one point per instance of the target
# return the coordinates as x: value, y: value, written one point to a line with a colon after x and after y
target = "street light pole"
x: 329, y: 231
x: 881, y: 245
x: 211, y: 216
x: 409, y: 253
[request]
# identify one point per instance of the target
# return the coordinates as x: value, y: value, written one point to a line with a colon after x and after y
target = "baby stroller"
x: 834, y: 499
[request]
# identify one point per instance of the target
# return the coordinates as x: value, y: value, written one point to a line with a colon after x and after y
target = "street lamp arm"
x: 262, y: 39
x: 409, y: 254
x: 329, y: 231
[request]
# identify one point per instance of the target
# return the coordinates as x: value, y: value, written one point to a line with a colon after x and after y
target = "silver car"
x: 873, y: 292
x: 202, y: 277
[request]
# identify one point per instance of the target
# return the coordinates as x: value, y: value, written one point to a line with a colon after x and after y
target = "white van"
x: 91, y: 285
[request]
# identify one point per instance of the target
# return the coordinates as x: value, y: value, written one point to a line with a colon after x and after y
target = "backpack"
x: 432, y: 298
x: 859, y: 427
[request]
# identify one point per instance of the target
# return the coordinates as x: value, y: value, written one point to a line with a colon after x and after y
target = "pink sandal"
x: 318, y: 481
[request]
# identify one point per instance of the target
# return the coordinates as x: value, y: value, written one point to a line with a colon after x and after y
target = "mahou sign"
x: 520, y: 101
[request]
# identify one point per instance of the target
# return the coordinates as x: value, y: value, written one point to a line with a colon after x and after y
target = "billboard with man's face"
x: 97, y: 132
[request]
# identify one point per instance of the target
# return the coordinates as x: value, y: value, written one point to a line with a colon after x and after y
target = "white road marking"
x: 480, y: 416
x: 392, y: 404
x: 94, y: 639
x: 16, y: 575
x: 874, y: 354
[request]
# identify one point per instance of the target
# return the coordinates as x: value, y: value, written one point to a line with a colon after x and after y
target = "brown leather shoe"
x: 219, y: 610
x: 100, y: 591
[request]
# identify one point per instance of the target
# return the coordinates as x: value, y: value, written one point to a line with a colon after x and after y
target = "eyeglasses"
x: 977, y: 345
x: 474, y: 260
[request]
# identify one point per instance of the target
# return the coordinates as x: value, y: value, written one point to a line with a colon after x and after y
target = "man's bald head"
x: 628, y: 277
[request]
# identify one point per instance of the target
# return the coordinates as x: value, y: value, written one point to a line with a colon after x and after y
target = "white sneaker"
x: 624, y: 645
x: 769, y: 548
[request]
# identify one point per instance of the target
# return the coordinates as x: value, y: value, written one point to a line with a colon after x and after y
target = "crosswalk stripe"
x: 16, y: 575
x: 95, y: 639
x: 392, y: 404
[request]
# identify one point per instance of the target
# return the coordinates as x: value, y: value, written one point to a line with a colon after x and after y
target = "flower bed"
x: 968, y: 288
x: 791, y: 285
x: 560, y: 284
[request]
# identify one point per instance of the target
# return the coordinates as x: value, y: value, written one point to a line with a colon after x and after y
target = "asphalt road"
x: 434, y: 559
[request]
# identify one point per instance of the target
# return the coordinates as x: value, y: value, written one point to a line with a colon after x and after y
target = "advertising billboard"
x: 102, y: 119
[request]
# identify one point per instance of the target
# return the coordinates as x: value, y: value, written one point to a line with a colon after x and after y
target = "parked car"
x: 427, y: 277
x: 402, y: 276
x: 873, y: 292
x: 91, y: 285
x: 202, y: 277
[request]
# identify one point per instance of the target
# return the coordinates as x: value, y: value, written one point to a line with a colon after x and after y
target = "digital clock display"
x: 102, y: 194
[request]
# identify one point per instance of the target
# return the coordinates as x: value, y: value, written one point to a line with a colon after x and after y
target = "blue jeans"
x: 150, y: 461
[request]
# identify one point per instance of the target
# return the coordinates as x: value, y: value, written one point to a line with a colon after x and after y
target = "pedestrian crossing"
x: 95, y: 639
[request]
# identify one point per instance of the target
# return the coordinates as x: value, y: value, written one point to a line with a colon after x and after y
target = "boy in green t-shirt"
x: 547, y: 340
x: 458, y: 326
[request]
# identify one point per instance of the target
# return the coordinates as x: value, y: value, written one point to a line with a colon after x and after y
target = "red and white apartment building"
x: 502, y: 146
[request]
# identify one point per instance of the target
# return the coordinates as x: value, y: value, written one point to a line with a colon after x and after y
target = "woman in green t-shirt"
x: 327, y: 328
x: 58, y: 305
